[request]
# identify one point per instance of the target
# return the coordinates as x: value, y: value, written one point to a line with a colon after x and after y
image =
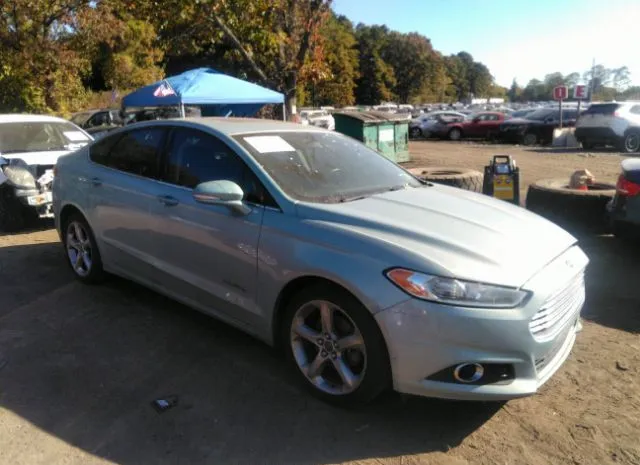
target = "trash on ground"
x: 163, y: 404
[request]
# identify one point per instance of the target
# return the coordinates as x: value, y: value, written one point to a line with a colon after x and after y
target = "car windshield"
x: 81, y: 118
x: 40, y: 137
x: 324, y: 167
x: 540, y: 115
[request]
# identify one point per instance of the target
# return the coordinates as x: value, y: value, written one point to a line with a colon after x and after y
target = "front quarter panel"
x: 67, y: 189
x: 291, y: 248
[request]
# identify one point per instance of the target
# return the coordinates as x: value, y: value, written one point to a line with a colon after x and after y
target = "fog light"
x: 468, y: 372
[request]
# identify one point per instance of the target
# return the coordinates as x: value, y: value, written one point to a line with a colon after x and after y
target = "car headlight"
x: 454, y: 291
x: 19, y: 175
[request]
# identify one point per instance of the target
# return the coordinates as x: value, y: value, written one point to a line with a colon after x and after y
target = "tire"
x: 588, y: 145
x: 470, y: 180
x: 367, y: 364
x: 631, y: 142
x: 77, y: 236
x: 626, y: 232
x: 13, y: 215
x: 574, y: 210
x: 415, y: 133
x: 455, y: 134
x: 529, y: 139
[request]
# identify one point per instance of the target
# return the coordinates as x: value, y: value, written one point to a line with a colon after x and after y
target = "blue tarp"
x: 215, y: 92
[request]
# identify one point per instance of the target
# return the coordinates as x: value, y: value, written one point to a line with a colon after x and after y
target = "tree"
x: 514, y: 91
x: 341, y: 55
x: 572, y: 79
x: 534, y: 91
x: 620, y: 78
x: 377, y: 78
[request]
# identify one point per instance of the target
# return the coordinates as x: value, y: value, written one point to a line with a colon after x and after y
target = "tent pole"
x: 182, y: 114
x: 284, y: 112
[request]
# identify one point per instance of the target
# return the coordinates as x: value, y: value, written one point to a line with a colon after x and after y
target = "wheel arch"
x: 291, y: 289
x: 65, y: 212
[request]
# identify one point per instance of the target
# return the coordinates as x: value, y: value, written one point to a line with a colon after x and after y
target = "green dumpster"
x: 385, y: 132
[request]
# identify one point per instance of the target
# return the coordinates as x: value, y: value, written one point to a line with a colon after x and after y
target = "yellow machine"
x: 502, y: 179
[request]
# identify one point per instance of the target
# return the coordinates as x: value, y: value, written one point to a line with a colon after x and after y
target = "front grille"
x: 558, y: 310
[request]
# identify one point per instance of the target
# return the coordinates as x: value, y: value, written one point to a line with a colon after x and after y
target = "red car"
x: 477, y: 126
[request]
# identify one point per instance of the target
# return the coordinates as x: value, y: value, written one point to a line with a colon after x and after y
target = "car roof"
x: 27, y: 118
x: 234, y: 126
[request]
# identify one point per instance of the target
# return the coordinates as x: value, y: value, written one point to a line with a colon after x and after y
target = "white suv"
x: 611, y: 123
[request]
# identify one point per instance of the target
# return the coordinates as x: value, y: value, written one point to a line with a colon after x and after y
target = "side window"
x: 492, y: 118
x: 635, y: 109
x: 99, y: 151
x: 98, y: 119
x: 137, y: 152
x: 195, y: 157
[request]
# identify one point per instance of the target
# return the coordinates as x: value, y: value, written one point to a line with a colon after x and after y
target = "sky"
x: 520, y: 39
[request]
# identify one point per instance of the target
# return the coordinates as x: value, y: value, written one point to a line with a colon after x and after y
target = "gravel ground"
x: 79, y: 366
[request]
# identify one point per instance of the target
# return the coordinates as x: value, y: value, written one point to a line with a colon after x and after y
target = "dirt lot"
x: 79, y: 366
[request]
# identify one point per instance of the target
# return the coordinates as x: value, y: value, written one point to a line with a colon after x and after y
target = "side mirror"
x: 226, y: 193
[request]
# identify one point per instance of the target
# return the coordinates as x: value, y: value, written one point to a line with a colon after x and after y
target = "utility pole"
x: 591, y: 86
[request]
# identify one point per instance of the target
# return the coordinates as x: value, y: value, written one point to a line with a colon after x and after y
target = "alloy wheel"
x: 632, y: 142
x: 79, y: 249
x: 328, y: 347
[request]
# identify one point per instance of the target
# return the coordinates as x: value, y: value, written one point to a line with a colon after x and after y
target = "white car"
x: 30, y: 146
x: 318, y: 118
x: 610, y: 123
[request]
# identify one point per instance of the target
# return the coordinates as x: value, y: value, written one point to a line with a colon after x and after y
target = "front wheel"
x: 335, y: 346
x: 415, y: 132
x: 82, y: 251
x: 530, y: 139
x: 455, y: 134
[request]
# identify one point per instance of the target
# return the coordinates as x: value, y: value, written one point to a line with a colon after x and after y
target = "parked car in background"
x: 624, y: 208
x: 522, y: 113
x: 611, y: 123
x: 30, y: 146
x: 482, y: 125
x: 319, y: 118
x: 367, y: 277
x: 428, y: 124
x: 537, y: 127
x: 98, y: 122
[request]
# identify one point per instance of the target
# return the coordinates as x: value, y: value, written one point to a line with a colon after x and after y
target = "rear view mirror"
x: 226, y: 193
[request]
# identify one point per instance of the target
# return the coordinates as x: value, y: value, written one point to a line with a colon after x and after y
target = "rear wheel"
x: 335, y: 346
x: 415, y: 132
x: 530, y: 139
x: 82, y: 251
x: 631, y: 142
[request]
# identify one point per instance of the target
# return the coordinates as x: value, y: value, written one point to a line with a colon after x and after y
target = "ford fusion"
x: 368, y: 278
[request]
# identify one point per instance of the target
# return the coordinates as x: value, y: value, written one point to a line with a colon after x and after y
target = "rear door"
x: 123, y: 188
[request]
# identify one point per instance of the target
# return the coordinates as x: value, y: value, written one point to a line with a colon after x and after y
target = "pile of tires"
x: 470, y: 180
x: 572, y: 209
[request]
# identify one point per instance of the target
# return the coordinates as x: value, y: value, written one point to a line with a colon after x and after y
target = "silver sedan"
x: 367, y: 277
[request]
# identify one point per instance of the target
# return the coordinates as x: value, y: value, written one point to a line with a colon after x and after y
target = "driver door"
x: 207, y: 254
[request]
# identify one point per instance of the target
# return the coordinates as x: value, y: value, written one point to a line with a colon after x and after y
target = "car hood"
x: 37, y: 158
x: 450, y: 231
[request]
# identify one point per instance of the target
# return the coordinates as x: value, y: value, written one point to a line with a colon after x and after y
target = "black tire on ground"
x: 415, y: 133
x: 455, y: 134
x: 631, y: 142
x: 588, y: 145
x: 96, y: 274
x: 626, y: 232
x: 13, y: 215
x: 470, y: 180
x: 530, y: 139
x: 377, y: 375
x: 574, y: 210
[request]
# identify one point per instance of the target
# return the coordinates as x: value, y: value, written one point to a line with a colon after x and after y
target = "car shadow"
x: 83, y: 363
x: 572, y: 150
x: 41, y: 224
x: 612, y: 291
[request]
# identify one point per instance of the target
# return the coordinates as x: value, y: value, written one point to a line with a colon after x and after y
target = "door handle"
x: 167, y: 200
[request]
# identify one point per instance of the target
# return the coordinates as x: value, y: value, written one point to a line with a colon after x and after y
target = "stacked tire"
x: 574, y: 210
x: 470, y: 180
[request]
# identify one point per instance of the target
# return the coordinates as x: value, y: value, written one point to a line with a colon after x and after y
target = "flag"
x: 163, y: 90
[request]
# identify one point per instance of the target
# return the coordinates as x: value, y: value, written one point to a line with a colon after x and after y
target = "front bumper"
x: 424, y: 339
x: 42, y: 201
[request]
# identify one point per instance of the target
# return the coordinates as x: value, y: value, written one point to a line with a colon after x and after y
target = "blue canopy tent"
x: 216, y: 93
